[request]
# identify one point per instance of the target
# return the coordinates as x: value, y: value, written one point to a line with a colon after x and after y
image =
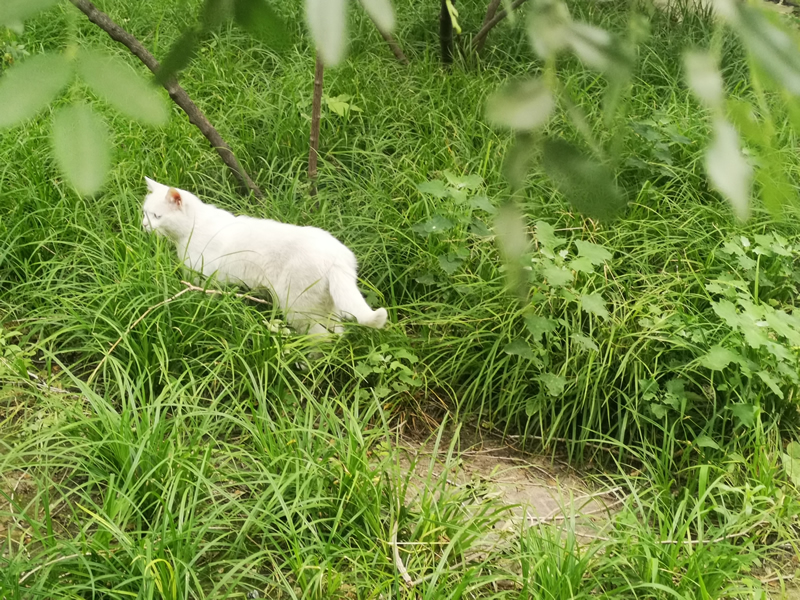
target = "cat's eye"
x: 155, y: 216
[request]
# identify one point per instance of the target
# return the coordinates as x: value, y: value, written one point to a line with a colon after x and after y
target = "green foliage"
x: 81, y: 147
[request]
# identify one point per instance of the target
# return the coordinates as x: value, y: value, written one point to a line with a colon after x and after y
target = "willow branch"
x: 176, y: 92
x: 480, y: 37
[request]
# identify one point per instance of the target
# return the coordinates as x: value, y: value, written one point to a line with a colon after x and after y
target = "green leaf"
x: 706, y: 442
x: 380, y: 11
x: 519, y: 347
x: 659, y: 410
x: 340, y: 104
x: 261, y: 21
x: 520, y: 105
x: 718, y: 358
x: 213, y: 14
x: 479, y: 228
x: 596, y: 253
x: 588, y: 185
x: 512, y: 241
x: 327, y: 21
x: 113, y: 80
x: 555, y: 384
x: 771, y: 383
x: 13, y: 12
x: 449, y: 263
x: 481, y: 202
x: 728, y: 171
x: 81, y: 147
x: 704, y: 78
x: 519, y: 159
x: 548, y: 27
x: 556, y: 276
x: 180, y: 55
x: 546, y: 235
x: 435, y: 187
x: 726, y: 311
x: 467, y: 182
x: 791, y: 462
x: 29, y: 86
x: 587, y: 342
x: 538, y: 326
x: 744, y: 413
x: 597, y: 49
x: 771, y: 46
x: 581, y: 264
x: 595, y: 305
x: 436, y: 224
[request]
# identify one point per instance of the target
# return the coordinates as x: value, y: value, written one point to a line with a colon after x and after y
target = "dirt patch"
x: 537, y: 489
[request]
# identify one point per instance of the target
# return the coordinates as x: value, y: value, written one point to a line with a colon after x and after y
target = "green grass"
x: 197, y: 461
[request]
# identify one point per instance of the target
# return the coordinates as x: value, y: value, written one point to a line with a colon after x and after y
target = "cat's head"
x: 165, y: 209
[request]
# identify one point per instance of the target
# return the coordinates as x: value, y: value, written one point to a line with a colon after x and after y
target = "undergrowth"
x: 199, y: 453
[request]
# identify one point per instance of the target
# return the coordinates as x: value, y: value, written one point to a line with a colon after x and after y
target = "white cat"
x: 311, y: 274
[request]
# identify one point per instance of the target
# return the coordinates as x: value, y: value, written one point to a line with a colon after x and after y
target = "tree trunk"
x: 446, y: 34
x: 316, y: 111
x: 480, y: 38
x: 176, y: 92
x: 490, y: 13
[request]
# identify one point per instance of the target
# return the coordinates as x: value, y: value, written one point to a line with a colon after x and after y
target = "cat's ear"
x: 174, y: 196
x: 151, y: 185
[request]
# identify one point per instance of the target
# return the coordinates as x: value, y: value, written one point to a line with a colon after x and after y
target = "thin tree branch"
x: 393, y: 45
x: 316, y: 111
x: 176, y: 92
x: 446, y: 34
x: 480, y: 37
x: 491, y: 11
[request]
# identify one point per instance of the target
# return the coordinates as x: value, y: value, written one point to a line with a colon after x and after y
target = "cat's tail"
x: 349, y: 301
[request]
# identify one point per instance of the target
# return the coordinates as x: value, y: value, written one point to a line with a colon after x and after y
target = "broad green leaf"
x: 180, y: 55
x: 435, y: 187
x: 704, y: 78
x: 467, y: 182
x: 595, y: 305
x: 726, y: 311
x: 519, y: 159
x: 771, y: 383
x: 548, y: 27
x: 555, y: 384
x: 449, y: 263
x: 113, y: 80
x: 771, y: 46
x: 588, y: 185
x: 546, y: 236
x: 13, y: 12
x: 479, y: 228
x: 30, y: 85
x: 597, y: 49
x: 581, y: 264
x: 556, y: 276
x: 744, y: 413
x: 380, y: 11
x: 728, y: 171
x: 520, y: 105
x: 340, y: 104
x: 706, y: 442
x: 718, y: 358
x: 327, y: 22
x: 512, y: 240
x: 436, y: 224
x: 81, y: 147
x: 261, y: 21
x: 659, y: 410
x: 538, y: 326
x: 595, y: 253
x: 791, y: 462
x: 586, y: 342
x: 519, y: 347
x: 481, y: 202
x: 213, y: 14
